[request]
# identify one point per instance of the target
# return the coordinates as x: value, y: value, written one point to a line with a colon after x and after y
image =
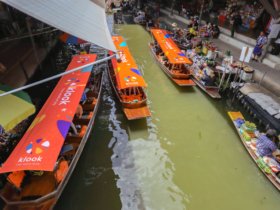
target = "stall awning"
x: 85, y: 19
x: 42, y: 142
x: 127, y: 72
x: 170, y: 49
x: 14, y: 108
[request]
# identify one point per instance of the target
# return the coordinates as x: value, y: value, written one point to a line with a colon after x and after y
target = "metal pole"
x: 57, y: 76
x: 33, y: 43
x: 222, y: 79
x: 262, y: 78
x: 200, y: 14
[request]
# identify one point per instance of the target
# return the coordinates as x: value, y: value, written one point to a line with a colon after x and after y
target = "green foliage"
x: 250, y: 125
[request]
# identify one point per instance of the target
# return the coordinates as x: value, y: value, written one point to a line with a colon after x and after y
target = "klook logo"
x: 38, y: 147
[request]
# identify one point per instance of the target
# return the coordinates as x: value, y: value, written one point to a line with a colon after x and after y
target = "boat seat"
x: 77, y: 138
x: 70, y: 150
x: 66, y: 148
x: 37, y: 186
x: 89, y: 106
x: 84, y: 120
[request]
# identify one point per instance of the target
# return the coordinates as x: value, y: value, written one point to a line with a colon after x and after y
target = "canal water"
x: 186, y: 156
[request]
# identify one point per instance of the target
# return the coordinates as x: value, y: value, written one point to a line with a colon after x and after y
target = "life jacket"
x: 16, y: 178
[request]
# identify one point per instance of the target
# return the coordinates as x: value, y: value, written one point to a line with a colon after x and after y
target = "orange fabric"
x: 42, y: 142
x: 63, y: 37
x: 235, y: 115
x: 16, y: 178
x: 61, y: 171
x: 83, y: 131
x: 170, y: 49
x: 126, y: 71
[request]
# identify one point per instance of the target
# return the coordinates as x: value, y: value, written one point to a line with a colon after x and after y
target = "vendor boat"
x: 177, y: 64
x: 128, y: 83
x: 265, y: 164
x: 42, y: 162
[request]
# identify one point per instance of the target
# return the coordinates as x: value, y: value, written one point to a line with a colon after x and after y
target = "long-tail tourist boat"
x: 266, y: 164
x: 170, y: 58
x: 41, y: 164
x: 127, y: 82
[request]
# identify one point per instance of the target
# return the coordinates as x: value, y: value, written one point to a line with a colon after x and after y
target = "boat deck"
x: 46, y: 182
x: 211, y: 91
x: 137, y: 113
x: 184, y: 82
x: 271, y: 176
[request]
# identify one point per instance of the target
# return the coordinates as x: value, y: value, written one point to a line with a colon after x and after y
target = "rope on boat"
x: 56, y: 76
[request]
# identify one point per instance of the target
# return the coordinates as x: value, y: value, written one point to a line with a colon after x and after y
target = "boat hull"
x: 48, y: 201
x: 272, y: 178
x: 131, y: 110
x: 179, y: 79
x: 210, y: 90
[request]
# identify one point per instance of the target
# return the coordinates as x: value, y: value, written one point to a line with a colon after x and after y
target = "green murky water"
x: 187, y: 156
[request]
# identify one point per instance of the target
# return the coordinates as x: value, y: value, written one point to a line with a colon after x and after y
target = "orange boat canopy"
x: 126, y: 71
x: 41, y: 144
x: 170, y: 49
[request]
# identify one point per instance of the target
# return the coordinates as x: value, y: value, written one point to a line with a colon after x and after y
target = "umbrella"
x: 14, y: 108
x: 70, y: 39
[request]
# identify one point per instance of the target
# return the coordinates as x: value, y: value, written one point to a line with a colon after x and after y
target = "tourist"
x: 79, y: 111
x: 215, y: 31
x: 261, y: 41
x: 267, y: 143
x: 150, y: 23
x: 236, y: 21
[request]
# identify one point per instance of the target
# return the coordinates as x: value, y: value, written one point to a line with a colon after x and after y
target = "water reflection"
x: 145, y: 172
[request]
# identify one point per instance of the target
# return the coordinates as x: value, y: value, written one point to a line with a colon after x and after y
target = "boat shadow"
x: 186, y: 89
x: 138, y: 125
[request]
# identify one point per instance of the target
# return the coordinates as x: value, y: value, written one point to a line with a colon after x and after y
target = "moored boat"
x: 266, y: 164
x: 212, y: 91
x: 44, y: 159
x: 170, y: 58
x: 128, y: 83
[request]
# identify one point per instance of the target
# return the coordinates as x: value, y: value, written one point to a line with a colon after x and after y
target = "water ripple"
x: 144, y: 169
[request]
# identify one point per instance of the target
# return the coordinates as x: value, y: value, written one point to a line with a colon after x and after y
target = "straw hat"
x: 271, y: 132
x: 211, y: 73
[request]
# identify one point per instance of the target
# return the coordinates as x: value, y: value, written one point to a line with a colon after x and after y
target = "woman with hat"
x: 209, y: 77
x: 267, y: 144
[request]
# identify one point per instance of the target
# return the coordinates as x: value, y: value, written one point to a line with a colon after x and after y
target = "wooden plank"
x: 213, y: 92
x: 137, y: 113
x: 184, y: 82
